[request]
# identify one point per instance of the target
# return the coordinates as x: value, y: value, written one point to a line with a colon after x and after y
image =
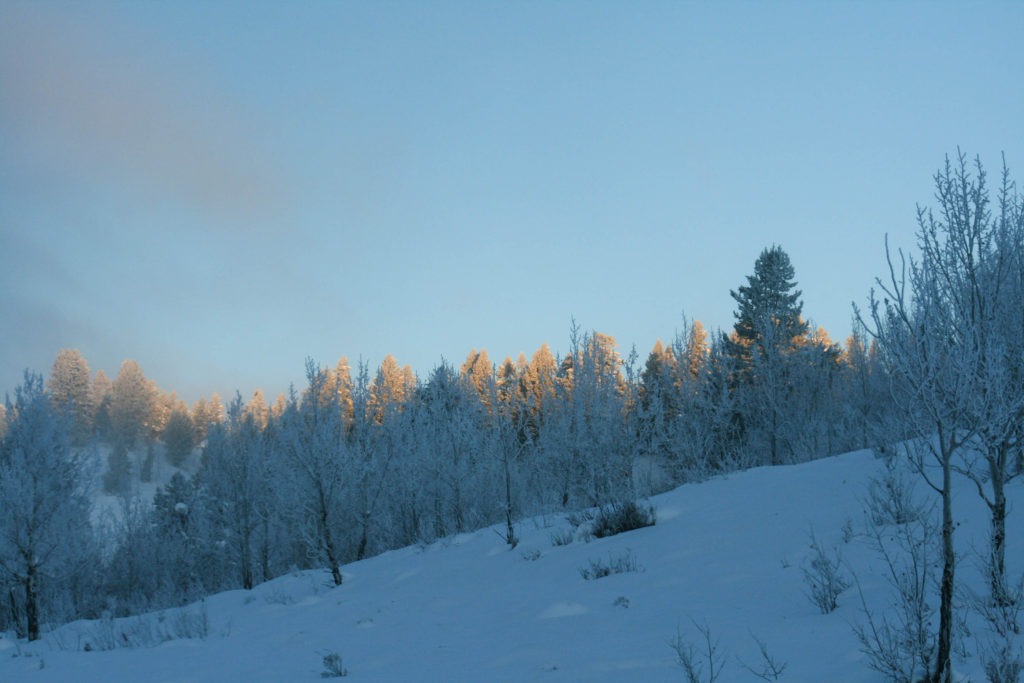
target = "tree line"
x: 360, y: 461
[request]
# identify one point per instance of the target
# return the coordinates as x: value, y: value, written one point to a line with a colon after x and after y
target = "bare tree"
x: 954, y: 375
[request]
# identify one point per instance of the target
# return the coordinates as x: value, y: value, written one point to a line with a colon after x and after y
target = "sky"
x: 222, y: 190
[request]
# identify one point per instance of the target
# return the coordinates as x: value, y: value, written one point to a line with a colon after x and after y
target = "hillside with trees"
x: 363, y: 460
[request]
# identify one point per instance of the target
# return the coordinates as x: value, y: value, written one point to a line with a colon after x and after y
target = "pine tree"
x: 768, y: 330
x: 768, y: 317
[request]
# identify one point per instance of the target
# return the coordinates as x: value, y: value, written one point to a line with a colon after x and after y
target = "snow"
x: 726, y: 553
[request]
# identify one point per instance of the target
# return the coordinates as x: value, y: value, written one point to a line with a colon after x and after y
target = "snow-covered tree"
x: 313, y: 438
x: 236, y: 479
x: 70, y: 388
x: 178, y: 436
x: 132, y: 397
x: 948, y: 326
x: 45, y: 520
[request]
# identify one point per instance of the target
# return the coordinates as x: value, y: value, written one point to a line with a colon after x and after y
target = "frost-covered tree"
x: 768, y: 330
x: 236, y: 478
x: 452, y: 450
x: 101, y: 391
x: 257, y: 409
x: 178, y: 436
x: 313, y: 438
x: 948, y: 325
x: 585, y: 434
x: 391, y: 387
x: 70, y: 388
x: 132, y: 397
x: 45, y: 520
x: 479, y: 372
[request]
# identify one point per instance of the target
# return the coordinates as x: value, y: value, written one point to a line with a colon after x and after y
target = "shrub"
x: 618, y: 518
x: 333, y: 667
x: 559, y: 538
x: 598, y: 569
x: 823, y: 578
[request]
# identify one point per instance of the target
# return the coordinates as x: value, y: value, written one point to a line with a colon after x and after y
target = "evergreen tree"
x: 768, y: 330
x: 768, y: 316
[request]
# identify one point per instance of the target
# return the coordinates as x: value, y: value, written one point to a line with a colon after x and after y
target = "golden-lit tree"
x: 70, y: 389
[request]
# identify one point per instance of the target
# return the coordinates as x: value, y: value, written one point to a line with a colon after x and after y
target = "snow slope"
x: 726, y: 553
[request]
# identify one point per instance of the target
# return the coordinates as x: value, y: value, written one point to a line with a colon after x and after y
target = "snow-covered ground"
x: 727, y: 554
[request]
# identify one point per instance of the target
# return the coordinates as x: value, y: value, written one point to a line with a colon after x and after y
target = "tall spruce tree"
x: 769, y: 310
x: 769, y: 328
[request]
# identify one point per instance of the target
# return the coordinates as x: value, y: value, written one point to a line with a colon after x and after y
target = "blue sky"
x: 219, y: 190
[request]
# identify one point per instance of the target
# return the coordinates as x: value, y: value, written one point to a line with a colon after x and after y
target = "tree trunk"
x: 328, y: 541
x: 31, y: 602
x: 943, y: 672
x: 510, y: 531
x: 364, y: 536
x: 997, y: 560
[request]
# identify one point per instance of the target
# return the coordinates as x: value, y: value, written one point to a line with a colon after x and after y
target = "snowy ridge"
x: 727, y: 553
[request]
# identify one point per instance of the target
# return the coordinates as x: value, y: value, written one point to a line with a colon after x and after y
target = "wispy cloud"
x: 83, y: 94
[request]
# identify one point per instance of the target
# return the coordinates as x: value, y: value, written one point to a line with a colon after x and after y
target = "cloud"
x: 85, y: 95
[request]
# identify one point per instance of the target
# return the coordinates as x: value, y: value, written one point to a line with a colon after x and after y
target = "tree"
x: 131, y: 404
x: 101, y: 390
x: 390, y: 388
x: 42, y: 491
x: 768, y: 329
x: 477, y: 370
x: 178, y: 436
x: 235, y: 476
x: 948, y: 326
x: 257, y: 409
x: 768, y: 317
x: 313, y: 438
x: 70, y: 388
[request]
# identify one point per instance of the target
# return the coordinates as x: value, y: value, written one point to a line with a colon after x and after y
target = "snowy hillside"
x: 728, y: 554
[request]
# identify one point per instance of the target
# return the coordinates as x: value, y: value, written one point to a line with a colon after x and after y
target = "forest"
x: 361, y: 460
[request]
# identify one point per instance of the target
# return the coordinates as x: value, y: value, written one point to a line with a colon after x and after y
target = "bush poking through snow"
x: 1003, y: 662
x: 823, y: 579
x: 618, y: 518
x: 900, y: 644
x: 770, y: 668
x: 693, y: 658
x: 891, y: 498
x: 333, y: 667
x: 559, y: 538
x: 598, y: 569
